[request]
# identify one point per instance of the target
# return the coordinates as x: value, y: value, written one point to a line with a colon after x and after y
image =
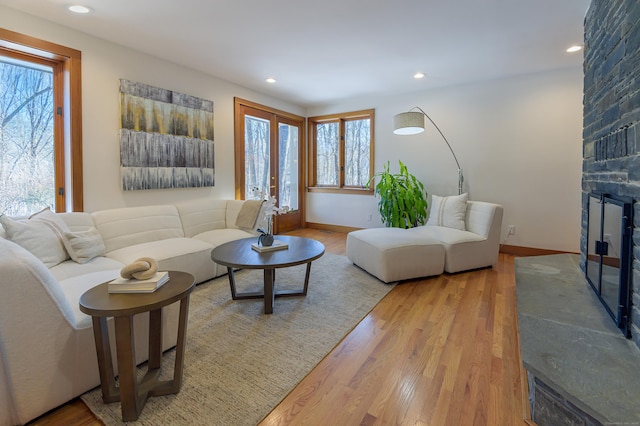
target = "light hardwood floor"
x: 435, y: 351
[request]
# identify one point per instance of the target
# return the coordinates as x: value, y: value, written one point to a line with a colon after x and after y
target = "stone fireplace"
x: 611, y: 134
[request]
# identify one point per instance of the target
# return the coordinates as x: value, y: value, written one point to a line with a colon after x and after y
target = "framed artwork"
x: 166, y: 138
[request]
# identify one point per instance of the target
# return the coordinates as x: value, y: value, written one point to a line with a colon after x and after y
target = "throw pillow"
x: 448, y: 211
x: 38, y: 237
x: 84, y: 245
x: 48, y: 216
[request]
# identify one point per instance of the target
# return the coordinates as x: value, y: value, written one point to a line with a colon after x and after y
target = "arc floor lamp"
x: 412, y: 122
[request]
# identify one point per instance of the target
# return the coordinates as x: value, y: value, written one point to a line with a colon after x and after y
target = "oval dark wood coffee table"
x: 239, y: 254
x: 101, y: 304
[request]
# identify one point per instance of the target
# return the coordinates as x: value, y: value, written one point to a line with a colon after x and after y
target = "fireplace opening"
x: 609, y: 256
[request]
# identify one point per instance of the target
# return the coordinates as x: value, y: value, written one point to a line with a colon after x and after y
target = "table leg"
x: 105, y: 362
x: 182, y: 339
x: 232, y: 283
x: 130, y: 403
x: 269, y: 293
x: 155, y: 339
x: 306, y: 279
x: 167, y: 387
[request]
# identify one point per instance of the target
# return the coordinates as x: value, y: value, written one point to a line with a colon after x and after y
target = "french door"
x: 269, y: 160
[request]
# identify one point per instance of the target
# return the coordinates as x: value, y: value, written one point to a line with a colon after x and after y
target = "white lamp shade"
x: 408, y: 123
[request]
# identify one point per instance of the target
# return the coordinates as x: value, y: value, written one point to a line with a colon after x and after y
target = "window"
x: 341, y: 153
x: 40, y: 126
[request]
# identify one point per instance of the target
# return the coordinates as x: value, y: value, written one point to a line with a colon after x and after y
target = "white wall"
x: 518, y: 140
x: 103, y: 64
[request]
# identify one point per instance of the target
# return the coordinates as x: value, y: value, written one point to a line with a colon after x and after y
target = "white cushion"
x: 77, y: 221
x: 83, y: 245
x: 202, y: 215
x: 448, y: 211
x: 53, y: 218
x: 173, y: 254
x: 129, y: 226
x: 393, y: 254
x: 447, y: 235
x: 221, y: 236
x: 482, y: 219
x: 37, y: 236
x: 69, y: 268
x: 74, y: 287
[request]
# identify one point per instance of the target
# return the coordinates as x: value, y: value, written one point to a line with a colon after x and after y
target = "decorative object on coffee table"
x: 270, y: 210
x: 100, y: 305
x: 239, y: 254
x: 265, y: 239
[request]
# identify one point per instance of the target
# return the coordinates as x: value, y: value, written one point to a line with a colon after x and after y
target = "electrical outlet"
x: 369, y: 217
x: 511, y: 230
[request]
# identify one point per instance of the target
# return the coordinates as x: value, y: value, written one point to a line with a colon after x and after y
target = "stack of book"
x: 277, y: 245
x: 132, y: 285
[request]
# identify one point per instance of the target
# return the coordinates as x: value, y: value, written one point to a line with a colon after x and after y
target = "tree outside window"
x: 27, y: 163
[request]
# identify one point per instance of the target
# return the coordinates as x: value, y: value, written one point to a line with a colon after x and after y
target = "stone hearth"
x: 581, y: 369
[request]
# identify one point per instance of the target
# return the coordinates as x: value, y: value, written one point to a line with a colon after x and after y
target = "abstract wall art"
x: 166, y: 138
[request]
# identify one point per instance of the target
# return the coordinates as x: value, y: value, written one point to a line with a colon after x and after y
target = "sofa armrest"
x: 28, y: 284
x: 484, y: 219
x: 7, y: 415
x: 35, y: 319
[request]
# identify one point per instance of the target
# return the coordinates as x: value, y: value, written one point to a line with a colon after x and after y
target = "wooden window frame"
x: 341, y: 119
x: 68, y: 139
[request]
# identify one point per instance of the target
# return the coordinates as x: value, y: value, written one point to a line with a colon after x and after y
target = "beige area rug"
x: 240, y: 363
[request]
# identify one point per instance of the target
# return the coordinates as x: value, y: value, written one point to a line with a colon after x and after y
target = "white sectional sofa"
x: 47, y: 351
x: 452, y: 244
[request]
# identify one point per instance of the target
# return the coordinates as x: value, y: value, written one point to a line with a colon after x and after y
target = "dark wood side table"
x: 239, y: 254
x: 100, y: 304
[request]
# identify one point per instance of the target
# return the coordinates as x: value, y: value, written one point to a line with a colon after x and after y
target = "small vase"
x: 265, y: 240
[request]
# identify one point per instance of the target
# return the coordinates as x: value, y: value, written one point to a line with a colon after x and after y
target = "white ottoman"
x: 394, y: 254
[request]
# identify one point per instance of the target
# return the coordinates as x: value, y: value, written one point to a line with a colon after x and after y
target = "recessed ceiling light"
x: 575, y: 48
x: 418, y: 75
x: 270, y: 80
x: 77, y: 8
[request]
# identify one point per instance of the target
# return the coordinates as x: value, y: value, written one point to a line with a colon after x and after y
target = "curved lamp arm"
x: 404, y: 121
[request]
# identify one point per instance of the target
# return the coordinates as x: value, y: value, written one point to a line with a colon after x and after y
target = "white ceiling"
x: 324, y: 52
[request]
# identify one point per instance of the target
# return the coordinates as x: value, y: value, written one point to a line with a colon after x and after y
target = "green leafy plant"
x: 403, y: 199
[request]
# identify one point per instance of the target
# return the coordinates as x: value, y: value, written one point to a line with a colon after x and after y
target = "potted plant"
x: 403, y: 199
